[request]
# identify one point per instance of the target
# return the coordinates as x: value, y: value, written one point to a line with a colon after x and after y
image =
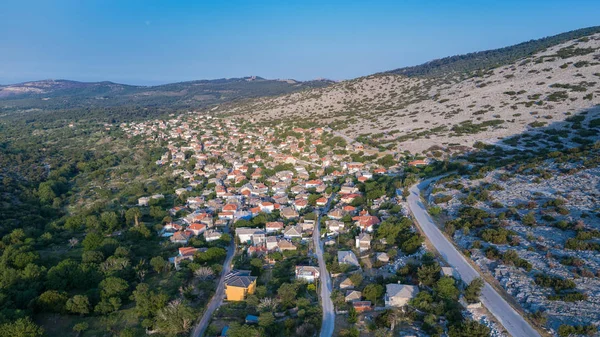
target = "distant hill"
x: 65, y: 94
x: 484, y: 60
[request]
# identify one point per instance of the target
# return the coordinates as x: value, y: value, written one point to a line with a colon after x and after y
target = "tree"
x: 287, y: 294
x: 158, y: 264
x: 473, y: 290
x: 132, y: 215
x: 108, y: 305
x: 266, y: 319
x: 52, y: 301
x: 373, y: 292
x: 352, y: 315
x: 22, y: 327
x: 445, y: 288
x: 92, y: 241
x: 469, y: 329
x: 429, y: 274
x: 110, y: 220
x: 176, y: 318
x: 238, y: 330
x: 356, y: 279
x: 147, y: 302
x: 157, y: 212
x: 80, y: 327
x: 113, y: 287
x: 78, y: 304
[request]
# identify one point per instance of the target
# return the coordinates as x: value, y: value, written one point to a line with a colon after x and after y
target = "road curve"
x: 512, y: 321
x: 325, y: 280
x: 217, y: 298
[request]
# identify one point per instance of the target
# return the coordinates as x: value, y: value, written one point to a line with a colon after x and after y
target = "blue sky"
x: 152, y: 42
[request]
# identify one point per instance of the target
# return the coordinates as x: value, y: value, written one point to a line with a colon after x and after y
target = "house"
x: 382, y: 257
x: 353, y: 295
x: 285, y: 245
x: 197, y: 228
x: 307, y: 273
x: 212, y: 235
x: 349, y: 198
x: 418, y: 162
x: 181, y: 237
x: 336, y: 214
x: 292, y: 232
x: 271, y: 243
x: 300, y: 204
x: 361, y: 306
x: 348, y: 257
x: 363, y: 242
x: 187, y: 251
x: 347, y: 284
x: 366, y: 222
x: 143, y: 201
x: 321, y: 201
x: 239, y: 284
x: 258, y: 238
x: 398, y: 295
x: 273, y: 226
x: 245, y: 234
x: 334, y: 226
x: 289, y: 213
x: 266, y: 206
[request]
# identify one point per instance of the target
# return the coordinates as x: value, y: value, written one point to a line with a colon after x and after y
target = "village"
x: 269, y: 191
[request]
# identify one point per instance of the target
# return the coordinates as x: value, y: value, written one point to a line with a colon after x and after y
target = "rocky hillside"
x: 415, y: 113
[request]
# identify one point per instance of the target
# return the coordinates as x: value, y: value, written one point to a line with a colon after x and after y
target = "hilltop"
x: 415, y: 113
x: 65, y: 94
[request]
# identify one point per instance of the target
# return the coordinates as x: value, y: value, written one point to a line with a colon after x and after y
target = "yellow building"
x: 238, y: 284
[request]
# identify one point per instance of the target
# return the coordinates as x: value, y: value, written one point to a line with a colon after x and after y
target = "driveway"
x: 512, y: 321
x: 217, y: 298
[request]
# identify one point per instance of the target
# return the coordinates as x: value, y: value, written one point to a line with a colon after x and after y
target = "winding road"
x: 217, y: 298
x: 326, y: 286
x: 512, y: 321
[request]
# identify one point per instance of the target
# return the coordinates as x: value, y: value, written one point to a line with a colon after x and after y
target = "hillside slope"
x: 416, y: 113
x: 61, y: 94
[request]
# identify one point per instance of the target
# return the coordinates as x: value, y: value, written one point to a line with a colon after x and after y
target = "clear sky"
x: 151, y: 42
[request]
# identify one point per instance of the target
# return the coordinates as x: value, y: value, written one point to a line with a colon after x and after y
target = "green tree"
x: 429, y: 274
x: 158, y: 264
x: 287, y: 294
x: 52, y: 301
x: 473, y: 290
x: 22, y: 327
x: 78, y: 304
x: 445, y: 288
x: 110, y: 220
x: 175, y: 318
x: 373, y: 292
x: 469, y: 329
x: 133, y: 215
x: 238, y: 330
x: 147, y: 302
x: 266, y: 319
x: 113, y: 287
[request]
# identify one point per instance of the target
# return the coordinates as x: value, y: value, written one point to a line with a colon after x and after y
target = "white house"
x: 398, y: 295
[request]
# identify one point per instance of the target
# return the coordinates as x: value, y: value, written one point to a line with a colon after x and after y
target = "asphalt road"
x: 512, y: 321
x: 217, y: 298
x: 326, y: 286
